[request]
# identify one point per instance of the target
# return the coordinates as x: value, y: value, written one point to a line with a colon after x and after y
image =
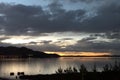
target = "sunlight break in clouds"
x: 80, y: 53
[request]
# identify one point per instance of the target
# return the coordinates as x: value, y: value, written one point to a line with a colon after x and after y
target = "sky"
x: 61, y: 25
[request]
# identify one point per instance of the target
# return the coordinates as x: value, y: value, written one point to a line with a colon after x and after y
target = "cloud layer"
x: 101, y: 21
x: 34, y: 19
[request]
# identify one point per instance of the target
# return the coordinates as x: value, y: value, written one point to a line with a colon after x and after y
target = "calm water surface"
x: 50, y: 65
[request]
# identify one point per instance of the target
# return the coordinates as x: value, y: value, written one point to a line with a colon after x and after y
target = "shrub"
x: 107, y: 68
x: 83, y: 69
x: 94, y: 68
x: 59, y: 71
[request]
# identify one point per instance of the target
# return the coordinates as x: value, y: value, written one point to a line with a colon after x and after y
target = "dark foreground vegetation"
x: 76, y: 76
x: 109, y: 72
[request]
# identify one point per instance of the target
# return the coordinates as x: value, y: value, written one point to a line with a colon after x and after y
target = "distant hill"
x: 23, y: 52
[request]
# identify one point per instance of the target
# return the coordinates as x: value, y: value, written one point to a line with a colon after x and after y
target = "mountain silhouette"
x: 23, y: 52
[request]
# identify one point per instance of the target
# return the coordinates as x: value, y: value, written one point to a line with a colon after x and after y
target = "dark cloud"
x: 46, y: 41
x: 95, y: 47
x: 42, y: 42
x: 107, y: 35
x: 33, y: 43
x: 108, y: 19
x: 66, y: 39
x: 88, y: 38
x: 56, y: 8
x: 34, y: 20
x: 115, y: 35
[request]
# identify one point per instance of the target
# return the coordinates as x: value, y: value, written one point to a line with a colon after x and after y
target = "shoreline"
x: 53, y: 57
x: 75, y: 76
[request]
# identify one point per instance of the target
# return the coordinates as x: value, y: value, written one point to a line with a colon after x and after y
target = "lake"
x: 50, y: 65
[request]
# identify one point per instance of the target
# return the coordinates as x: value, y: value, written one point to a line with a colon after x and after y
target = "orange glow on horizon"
x: 80, y: 53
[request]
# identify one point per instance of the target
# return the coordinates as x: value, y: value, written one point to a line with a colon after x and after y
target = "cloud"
x: 66, y: 39
x: 89, y: 38
x: 115, y: 35
x: 86, y: 1
x: 42, y: 42
x: 95, y: 1
x: 75, y: 1
x: 83, y: 46
x: 35, y: 20
x: 103, y: 22
x: 86, y: 44
x: 45, y: 47
x: 107, y: 35
x: 3, y: 38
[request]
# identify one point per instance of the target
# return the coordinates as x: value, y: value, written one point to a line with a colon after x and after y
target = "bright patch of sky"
x: 59, y: 38
x: 54, y: 37
x: 66, y: 4
x: 27, y: 2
